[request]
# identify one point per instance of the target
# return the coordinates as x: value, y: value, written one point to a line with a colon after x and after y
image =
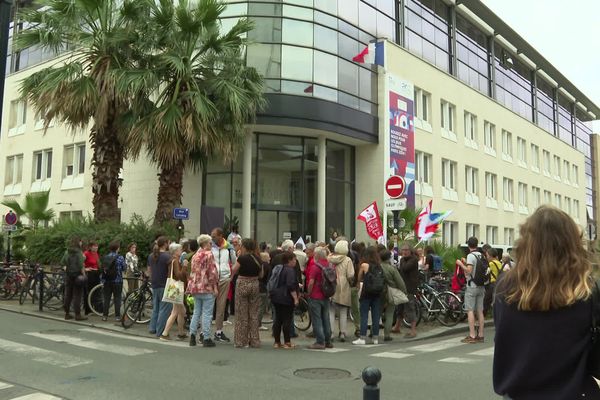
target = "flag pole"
x: 418, y: 243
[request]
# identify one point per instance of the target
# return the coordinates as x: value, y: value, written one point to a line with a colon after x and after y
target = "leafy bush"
x: 48, y: 245
x: 449, y: 254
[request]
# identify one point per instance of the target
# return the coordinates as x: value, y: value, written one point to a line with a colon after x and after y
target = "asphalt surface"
x: 72, y: 361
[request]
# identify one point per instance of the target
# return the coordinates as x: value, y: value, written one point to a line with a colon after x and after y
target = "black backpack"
x: 73, y: 264
x: 109, y: 267
x: 374, y: 281
x: 481, y: 275
x: 328, y: 280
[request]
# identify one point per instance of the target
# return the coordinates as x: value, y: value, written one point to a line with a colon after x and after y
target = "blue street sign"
x: 181, y: 213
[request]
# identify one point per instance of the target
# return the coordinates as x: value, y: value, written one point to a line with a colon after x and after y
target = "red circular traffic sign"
x: 10, y: 218
x: 395, y: 186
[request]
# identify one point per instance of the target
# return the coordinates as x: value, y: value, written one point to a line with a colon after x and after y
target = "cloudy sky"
x: 566, y: 33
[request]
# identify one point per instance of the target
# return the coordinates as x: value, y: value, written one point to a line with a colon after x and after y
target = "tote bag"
x: 174, y: 290
x: 396, y: 296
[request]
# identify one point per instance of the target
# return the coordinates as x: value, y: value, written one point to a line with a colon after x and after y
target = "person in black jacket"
x: 409, y: 270
x: 542, y: 314
x: 284, y: 299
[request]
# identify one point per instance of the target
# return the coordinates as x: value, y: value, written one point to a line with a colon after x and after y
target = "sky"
x: 566, y: 33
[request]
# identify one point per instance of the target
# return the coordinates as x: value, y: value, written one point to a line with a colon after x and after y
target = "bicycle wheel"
x: 138, y: 307
x: 418, y: 316
x: 452, y: 309
x: 96, y: 301
x: 302, y: 319
x: 10, y: 287
x: 131, y: 310
x: 26, y: 290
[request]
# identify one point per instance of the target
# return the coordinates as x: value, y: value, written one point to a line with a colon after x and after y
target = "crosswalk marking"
x: 334, y: 350
x: 89, y: 344
x: 438, y: 346
x: 42, y: 355
x: 37, y: 396
x: 389, y: 354
x: 4, y: 385
x: 458, y: 360
x: 485, y: 352
x: 135, y: 338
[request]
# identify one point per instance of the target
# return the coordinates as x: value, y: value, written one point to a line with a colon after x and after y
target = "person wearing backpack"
x: 320, y: 290
x: 341, y: 300
x: 476, y: 274
x: 283, y: 291
x: 113, y: 266
x: 495, y: 268
x: 75, y: 279
x: 409, y: 270
x: 372, y: 278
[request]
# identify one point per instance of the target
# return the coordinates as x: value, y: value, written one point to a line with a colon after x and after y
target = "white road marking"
x: 458, y: 360
x: 4, y: 385
x: 37, y: 396
x: 135, y: 338
x: 438, y: 346
x: 42, y: 355
x: 485, y: 352
x: 334, y: 350
x: 389, y: 354
x: 89, y: 344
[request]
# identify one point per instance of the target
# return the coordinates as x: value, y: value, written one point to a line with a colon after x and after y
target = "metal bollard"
x: 371, y: 376
x: 40, y: 275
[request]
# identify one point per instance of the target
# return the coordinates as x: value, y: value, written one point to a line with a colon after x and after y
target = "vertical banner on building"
x: 399, y: 142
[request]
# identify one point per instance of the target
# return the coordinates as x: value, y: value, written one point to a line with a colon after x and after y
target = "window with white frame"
x: 491, y: 186
x: 536, y: 197
x: 471, y: 130
x: 566, y: 171
x: 471, y: 177
x: 423, y: 167
x: 547, y: 165
x: 489, y: 138
x: 568, y: 205
x: 535, y: 157
x: 575, y: 175
x: 547, y: 197
x: 42, y: 165
x: 507, y: 150
x: 450, y: 233
x: 17, y: 117
x: 576, y: 209
x: 509, y: 236
x: 491, y: 234
x: 448, y: 111
x: 422, y: 107
x: 558, y: 201
x: 522, y: 151
x: 70, y: 215
x: 13, y: 175
x: 472, y: 230
x: 523, y: 197
x: 449, y: 174
x: 557, y: 167
x: 508, y: 191
x: 74, y: 160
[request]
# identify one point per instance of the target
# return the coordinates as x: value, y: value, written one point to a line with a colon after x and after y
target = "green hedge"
x: 47, y: 246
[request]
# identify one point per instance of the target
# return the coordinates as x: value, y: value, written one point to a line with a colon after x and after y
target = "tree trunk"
x: 170, y: 192
x: 107, y: 161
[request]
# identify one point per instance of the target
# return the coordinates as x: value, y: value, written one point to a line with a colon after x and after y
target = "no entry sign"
x: 395, y: 186
x: 10, y: 218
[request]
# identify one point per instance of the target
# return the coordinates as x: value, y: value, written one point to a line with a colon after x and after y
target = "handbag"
x: 593, y: 364
x: 174, y: 290
x: 396, y: 296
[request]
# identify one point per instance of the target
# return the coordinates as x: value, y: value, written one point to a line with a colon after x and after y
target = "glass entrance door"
x: 274, y: 226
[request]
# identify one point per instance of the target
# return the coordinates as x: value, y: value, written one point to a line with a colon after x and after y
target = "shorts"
x: 474, y: 296
x: 408, y: 310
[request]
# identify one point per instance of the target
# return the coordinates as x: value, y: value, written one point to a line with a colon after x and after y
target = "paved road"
x: 74, y: 362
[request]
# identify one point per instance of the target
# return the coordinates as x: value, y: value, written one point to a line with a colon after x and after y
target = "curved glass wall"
x: 427, y: 31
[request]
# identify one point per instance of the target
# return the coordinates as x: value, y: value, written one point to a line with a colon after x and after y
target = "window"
x: 547, y: 165
x: 576, y: 209
x: 522, y: 151
x: 450, y: 233
x: 547, y: 197
x: 422, y: 109
x: 491, y: 234
x: 566, y: 170
x: 557, y: 201
x: 489, y: 140
x: 509, y: 236
x: 70, y: 215
x: 423, y: 167
x: 448, y: 118
x: 13, y: 175
x: 557, y: 167
x: 471, y: 185
x: 449, y: 174
x: 472, y: 230
x: 508, y: 193
x: 17, y: 117
x: 536, y: 197
x: 535, y: 158
x: 568, y: 205
x: 470, y: 130
x: 507, y: 151
x: 42, y: 165
x: 491, y: 183
x: 74, y: 160
x: 575, y: 175
x: 523, y: 198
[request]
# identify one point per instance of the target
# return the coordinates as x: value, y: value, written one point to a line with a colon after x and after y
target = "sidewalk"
x: 424, y: 330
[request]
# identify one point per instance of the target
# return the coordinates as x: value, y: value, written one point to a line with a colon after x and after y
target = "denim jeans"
x: 157, y: 295
x: 319, y: 313
x: 375, y: 306
x: 203, y: 307
x: 160, y: 312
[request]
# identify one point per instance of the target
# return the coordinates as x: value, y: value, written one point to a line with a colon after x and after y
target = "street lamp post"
x: 5, y: 10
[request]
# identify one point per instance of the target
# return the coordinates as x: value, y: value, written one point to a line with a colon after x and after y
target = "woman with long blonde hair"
x: 542, y: 314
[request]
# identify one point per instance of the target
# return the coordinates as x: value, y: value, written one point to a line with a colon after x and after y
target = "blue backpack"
x: 438, y: 264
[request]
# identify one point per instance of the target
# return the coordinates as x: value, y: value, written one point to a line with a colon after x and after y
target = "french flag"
x: 428, y: 223
x: 371, y: 54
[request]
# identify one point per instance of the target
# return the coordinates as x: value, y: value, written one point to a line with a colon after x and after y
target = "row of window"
x: 490, y: 235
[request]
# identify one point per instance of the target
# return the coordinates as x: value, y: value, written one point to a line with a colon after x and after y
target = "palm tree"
x: 35, y: 208
x: 194, y: 93
x: 99, y: 37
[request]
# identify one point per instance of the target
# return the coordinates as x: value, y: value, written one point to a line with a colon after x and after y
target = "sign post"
x: 180, y: 214
x: 10, y: 221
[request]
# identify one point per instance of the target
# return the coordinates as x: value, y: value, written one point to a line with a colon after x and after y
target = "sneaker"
x: 164, y: 338
x: 329, y: 345
x: 480, y: 339
x: 469, y: 340
x: 388, y: 339
x: 227, y: 323
x: 192, y: 340
x: 375, y: 341
x: 359, y: 342
x: 263, y: 328
x: 208, y: 343
x: 220, y: 337
x: 317, y: 346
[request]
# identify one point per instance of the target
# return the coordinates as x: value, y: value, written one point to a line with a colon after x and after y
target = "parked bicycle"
x: 444, y: 306
x: 95, y: 300
x: 11, y: 279
x: 138, y: 304
x: 54, y: 289
x: 30, y: 286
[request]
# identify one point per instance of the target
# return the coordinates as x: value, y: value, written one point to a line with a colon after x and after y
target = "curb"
x: 449, y: 332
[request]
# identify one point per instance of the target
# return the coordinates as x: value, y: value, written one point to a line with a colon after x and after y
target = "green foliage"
x: 35, y: 208
x: 47, y: 246
x: 449, y: 254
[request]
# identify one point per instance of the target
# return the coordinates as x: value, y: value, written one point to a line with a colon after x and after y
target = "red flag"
x: 371, y: 217
x: 360, y: 57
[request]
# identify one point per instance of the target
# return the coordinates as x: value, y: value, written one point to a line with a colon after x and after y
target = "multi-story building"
x: 498, y: 130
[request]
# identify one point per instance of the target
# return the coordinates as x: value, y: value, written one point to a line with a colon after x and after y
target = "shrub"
x: 449, y: 254
x: 47, y: 246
